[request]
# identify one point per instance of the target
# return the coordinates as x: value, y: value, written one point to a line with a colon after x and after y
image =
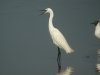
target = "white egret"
x: 97, y: 28
x: 57, y: 37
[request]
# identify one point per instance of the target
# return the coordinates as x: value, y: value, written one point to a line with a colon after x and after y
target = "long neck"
x: 50, y: 20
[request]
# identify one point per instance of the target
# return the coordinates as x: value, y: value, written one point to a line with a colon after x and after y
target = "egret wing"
x: 60, y: 41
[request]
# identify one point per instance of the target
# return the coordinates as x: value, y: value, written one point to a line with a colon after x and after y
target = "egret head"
x: 95, y: 22
x: 47, y: 10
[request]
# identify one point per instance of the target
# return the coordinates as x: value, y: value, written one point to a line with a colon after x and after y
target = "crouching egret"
x: 57, y: 37
x: 97, y: 28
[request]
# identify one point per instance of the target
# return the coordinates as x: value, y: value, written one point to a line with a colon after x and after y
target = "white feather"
x: 97, y: 30
x: 60, y: 41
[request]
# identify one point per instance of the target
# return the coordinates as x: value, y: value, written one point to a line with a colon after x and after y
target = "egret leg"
x: 58, y: 60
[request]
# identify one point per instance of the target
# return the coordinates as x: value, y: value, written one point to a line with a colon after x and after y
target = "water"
x: 26, y: 47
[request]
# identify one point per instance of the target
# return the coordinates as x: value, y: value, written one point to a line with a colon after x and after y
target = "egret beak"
x: 95, y: 22
x: 43, y: 12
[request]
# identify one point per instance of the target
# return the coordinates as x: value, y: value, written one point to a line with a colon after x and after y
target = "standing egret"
x: 97, y: 28
x: 57, y: 37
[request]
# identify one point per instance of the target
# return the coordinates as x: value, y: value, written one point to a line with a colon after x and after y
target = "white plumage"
x: 56, y: 35
x: 97, y: 30
x: 59, y: 40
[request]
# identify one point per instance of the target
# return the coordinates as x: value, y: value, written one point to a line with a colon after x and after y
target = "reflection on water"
x: 67, y: 71
x: 98, y: 61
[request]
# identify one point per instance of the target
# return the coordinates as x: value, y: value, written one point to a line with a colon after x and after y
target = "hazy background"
x: 26, y: 47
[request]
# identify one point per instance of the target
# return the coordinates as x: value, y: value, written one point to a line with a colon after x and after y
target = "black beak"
x: 95, y: 22
x: 43, y: 12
